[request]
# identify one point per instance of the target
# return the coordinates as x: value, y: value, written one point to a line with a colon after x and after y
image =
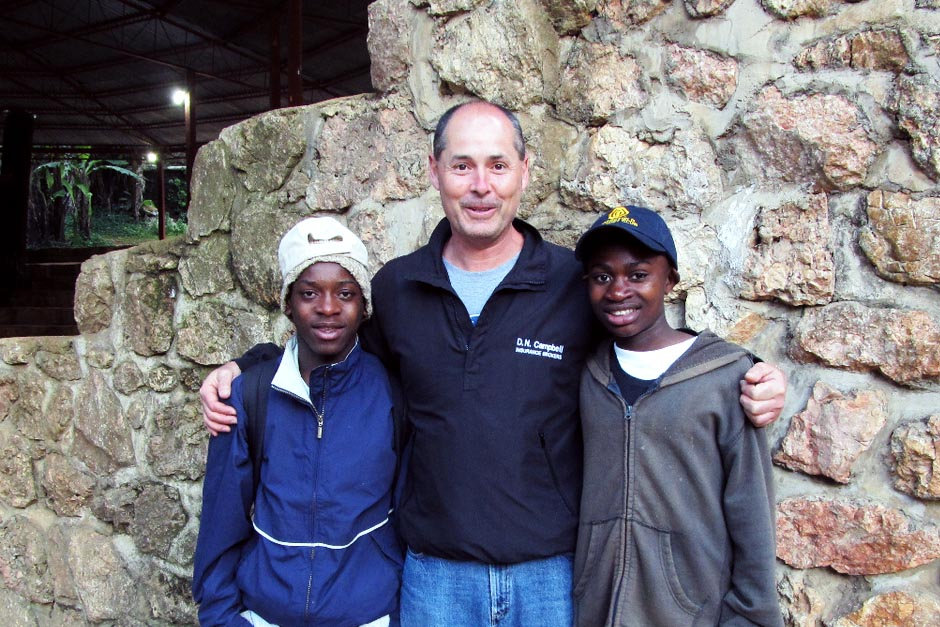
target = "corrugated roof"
x: 101, y: 72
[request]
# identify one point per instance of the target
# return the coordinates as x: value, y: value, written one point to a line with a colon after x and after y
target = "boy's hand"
x: 216, y: 415
x: 763, y: 390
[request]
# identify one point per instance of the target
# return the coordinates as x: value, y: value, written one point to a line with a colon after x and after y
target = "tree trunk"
x: 137, y: 165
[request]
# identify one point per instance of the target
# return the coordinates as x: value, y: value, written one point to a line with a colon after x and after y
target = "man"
x: 487, y: 328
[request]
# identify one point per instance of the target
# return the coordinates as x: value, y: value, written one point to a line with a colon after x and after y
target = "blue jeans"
x: 442, y: 593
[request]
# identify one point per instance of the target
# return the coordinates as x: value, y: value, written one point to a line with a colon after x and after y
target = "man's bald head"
x: 440, y: 140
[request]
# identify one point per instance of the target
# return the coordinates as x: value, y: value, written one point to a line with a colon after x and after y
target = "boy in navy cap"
x: 676, y: 523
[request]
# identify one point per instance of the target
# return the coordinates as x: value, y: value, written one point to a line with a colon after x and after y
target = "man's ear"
x: 674, y: 278
x: 432, y: 172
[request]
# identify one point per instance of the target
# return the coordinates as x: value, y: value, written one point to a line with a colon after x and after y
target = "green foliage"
x: 67, y: 177
x: 120, y: 230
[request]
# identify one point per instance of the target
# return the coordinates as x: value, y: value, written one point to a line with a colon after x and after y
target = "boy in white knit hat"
x: 312, y: 542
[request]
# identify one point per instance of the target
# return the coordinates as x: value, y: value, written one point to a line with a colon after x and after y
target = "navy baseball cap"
x: 644, y: 225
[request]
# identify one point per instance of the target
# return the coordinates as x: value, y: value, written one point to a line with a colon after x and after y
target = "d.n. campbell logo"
x: 620, y: 214
x: 536, y: 348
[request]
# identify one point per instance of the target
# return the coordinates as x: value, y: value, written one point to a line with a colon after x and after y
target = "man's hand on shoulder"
x: 218, y: 416
x: 763, y: 391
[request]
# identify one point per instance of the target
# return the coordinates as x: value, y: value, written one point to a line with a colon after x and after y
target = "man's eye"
x: 462, y: 167
x: 499, y: 167
x: 346, y: 294
x: 601, y: 279
x: 638, y: 276
x: 308, y: 293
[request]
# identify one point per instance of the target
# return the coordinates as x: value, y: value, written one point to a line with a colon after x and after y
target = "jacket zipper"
x: 316, y: 484
x: 625, y: 535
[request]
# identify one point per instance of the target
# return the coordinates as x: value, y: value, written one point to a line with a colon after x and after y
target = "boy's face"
x: 627, y: 283
x: 326, y: 306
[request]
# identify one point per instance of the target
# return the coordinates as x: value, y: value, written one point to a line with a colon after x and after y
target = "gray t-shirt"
x: 475, y: 288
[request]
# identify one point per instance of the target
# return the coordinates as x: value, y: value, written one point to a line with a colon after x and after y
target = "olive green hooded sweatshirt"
x: 677, y: 511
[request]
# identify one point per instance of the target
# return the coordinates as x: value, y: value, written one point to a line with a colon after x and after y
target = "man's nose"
x: 619, y: 289
x: 480, y: 183
x: 328, y: 304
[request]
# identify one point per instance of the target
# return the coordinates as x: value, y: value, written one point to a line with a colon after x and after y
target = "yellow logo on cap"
x: 620, y: 214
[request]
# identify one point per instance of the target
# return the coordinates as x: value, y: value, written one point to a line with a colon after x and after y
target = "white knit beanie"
x: 315, y: 240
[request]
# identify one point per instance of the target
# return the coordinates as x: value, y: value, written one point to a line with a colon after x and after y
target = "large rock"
x: 850, y: 538
x: 898, y: 607
x: 792, y: 9
x: 170, y: 599
x: 676, y: 172
x: 43, y: 409
x: 212, y: 191
x: 507, y: 54
x: 569, y: 16
x: 345, y: 173
x: 148, y: 313
x: 263, y: 150
x: 9, y: 392
x: 828, y: 436
x: 127, y: 377
x: 915, y: 448
x: 792, y: 259
x: 700, y: 75
x: 214, y: 333
x: 94, y: 295
x: 899, y: 343
x: 23, y: 565
x: 706, y: 8
x: 59, y: 535
x: 919, y: 117
x: 149, y: 512
x: 800, y: 603
x: 879, y: 50
x: 255, y: 237
x: 18, y: 350
x: 598, y: 81
x: 206, y: 268
x: 59, y: 364
x: 391, y: 24
x: 103, y: 582
x: 817, y: 138
x: 177, y: 448
x: 102, y: 434
x: 68, y: 488
x: 547, y: 143
x: 626, y: 14
x: 902, y: 237
x: 17, y: 485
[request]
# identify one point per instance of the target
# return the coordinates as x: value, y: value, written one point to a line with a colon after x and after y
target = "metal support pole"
x: 275, y: 58
x: 161, y: 182
x: 190, y: 112
x: 295, y: 31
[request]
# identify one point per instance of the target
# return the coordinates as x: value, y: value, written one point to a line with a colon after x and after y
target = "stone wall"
x: 794, y: 147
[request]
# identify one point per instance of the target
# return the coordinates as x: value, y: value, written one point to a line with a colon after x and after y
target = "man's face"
x: 326, y: 306
x: 627, y: 285
x: 479, y: 175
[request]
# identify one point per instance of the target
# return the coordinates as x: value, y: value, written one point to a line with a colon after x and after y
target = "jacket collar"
x: 529, y: 272
x: 288, y: 378
x: 708, y: 352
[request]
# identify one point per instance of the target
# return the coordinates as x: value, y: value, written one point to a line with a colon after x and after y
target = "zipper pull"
x: 629, y: 413
x: 319, y: 428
